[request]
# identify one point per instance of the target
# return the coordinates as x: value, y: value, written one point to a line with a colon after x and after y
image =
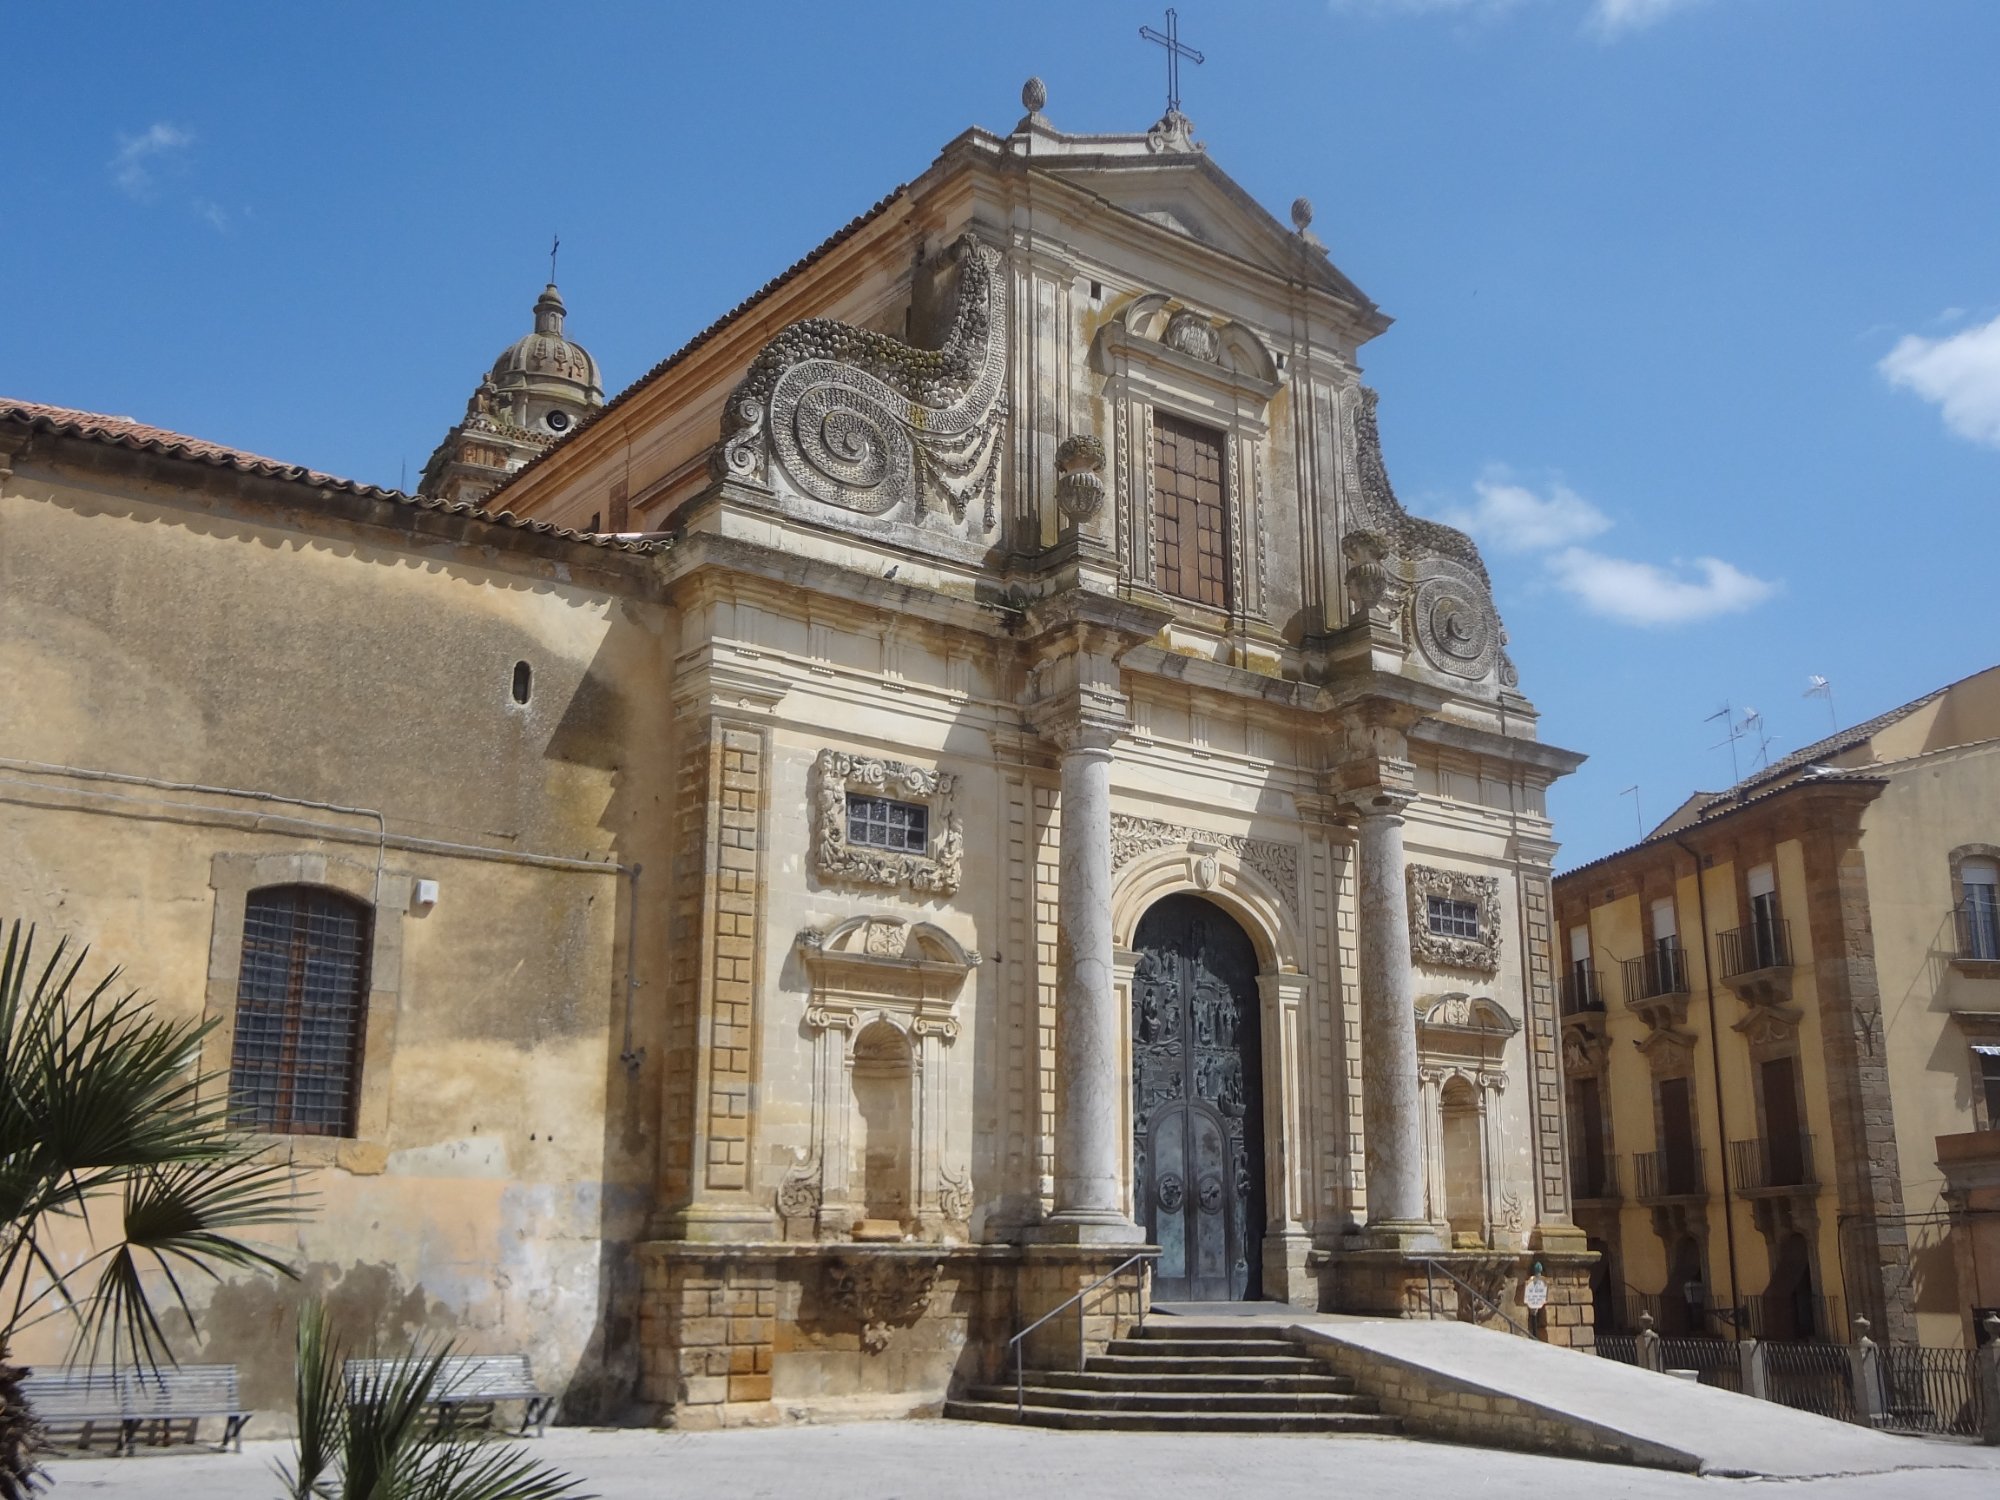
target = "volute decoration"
x: 1080, y: 476
x: 936, y: 872
x: 1449, y: 597
x: 1456, y: 628
x: 1277, y: 863
x: 1481, y: 953
x: 865, y: 422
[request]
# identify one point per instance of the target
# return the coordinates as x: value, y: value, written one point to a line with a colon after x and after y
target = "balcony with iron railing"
x: 1656, y: 984
x: 1593, y: 1181
x: 1756, y: 961
x: 1976, y: 925
x: 1773, y: 1164
x: 1582, y: 992
x: 1661, y: 1176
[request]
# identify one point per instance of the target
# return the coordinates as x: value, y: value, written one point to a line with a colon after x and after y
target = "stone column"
x: 1391, y: 1105
x: 1089, y: 1146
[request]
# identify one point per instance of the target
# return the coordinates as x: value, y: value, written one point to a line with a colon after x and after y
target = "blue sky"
x: 1698, y: 310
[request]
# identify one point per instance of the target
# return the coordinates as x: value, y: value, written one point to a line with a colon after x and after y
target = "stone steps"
x: 1181, y: 1378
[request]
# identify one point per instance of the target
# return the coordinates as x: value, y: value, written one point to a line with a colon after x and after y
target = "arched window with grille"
x: 301, y: 1000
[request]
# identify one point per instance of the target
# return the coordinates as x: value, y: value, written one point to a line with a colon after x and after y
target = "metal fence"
x: 1718, y: 1362
x: 1812, y: 1377
x: 1932, y: 1390
x: 1622, y: 1347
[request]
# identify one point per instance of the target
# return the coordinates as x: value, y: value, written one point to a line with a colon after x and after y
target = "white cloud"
x: 141, y: 156
x: 1960, y: 374
x: 1641, y: 593
x: 1512, y: 518
x: 1607, y: 18
x: 1611, y: 18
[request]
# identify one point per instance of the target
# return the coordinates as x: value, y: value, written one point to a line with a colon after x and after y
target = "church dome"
x: 547, y: 359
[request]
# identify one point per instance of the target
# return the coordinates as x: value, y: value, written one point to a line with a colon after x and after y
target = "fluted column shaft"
x: 1392, y: 1111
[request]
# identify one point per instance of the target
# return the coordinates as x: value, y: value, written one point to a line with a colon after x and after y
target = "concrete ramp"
x: 1470, y: 1384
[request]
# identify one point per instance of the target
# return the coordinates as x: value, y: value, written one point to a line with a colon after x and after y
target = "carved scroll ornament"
x: 1277, y: 863
x: 868, y: 423
x: 1481, y: 953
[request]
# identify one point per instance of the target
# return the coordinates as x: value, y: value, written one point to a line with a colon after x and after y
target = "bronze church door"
x: 1197, y: 1102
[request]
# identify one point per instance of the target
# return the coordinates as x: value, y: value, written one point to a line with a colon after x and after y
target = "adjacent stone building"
x: 962, y: 781
x: 1805, y: 1126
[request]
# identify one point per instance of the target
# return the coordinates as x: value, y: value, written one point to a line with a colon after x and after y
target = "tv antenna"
x: 1731, y: 734
x: 1638, y: 817
x: 1819, y: 687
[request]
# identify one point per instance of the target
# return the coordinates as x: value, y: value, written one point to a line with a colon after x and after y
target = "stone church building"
x: 962, y: 781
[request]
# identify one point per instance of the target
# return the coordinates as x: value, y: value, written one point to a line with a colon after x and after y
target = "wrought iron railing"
x: 1812, y: 1377
x: 1593, y: 1180
x: 1669, y: 1174
x: 1773, y: 1161
x: 1622, y: 1347
x: 1761, y: 945
x: 1019, y: 1341
x: 1978, y: 924
x: 1932, y: 1390
x: 1717, y: 1362
x: 1485, y: 1304
x: 1582, y: 992
x: 1661, y: 970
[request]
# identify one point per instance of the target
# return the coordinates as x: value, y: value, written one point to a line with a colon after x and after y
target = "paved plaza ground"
x: 924, y: 1460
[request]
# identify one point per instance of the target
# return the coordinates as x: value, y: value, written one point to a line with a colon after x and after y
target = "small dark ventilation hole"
x: 1097, y: 291
x: 524, y: 681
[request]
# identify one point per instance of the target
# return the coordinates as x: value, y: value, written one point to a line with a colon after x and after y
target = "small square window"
x: 879, y: 823
x: 1449, y: 918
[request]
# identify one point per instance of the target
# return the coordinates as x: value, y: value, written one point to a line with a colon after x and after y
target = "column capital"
x: 1388, y: 798
x: 1083, y: 720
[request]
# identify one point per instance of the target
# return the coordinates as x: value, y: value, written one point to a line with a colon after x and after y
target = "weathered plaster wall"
x: 180, y: 632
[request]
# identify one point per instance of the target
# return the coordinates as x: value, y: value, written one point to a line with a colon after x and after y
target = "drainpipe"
x: 1721, y: 1120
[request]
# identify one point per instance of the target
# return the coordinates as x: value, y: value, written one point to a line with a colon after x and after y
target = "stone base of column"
x: 1559, y: 1239
x: 1401, y: 1236
x: 715, y: 1223
x: 1084, y: 1228
x: 1287, y: 1274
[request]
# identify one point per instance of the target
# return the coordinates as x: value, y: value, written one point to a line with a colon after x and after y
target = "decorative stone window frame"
x: 906, y: 974
x: 1976, y: 968
x: 1160, y: 355
x: 839, y: 772
x: 386, y: 893
x: 1481, y: 954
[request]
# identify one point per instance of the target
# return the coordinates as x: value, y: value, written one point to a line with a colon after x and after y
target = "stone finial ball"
x: 1034, y: 94
x: 1302, y: 213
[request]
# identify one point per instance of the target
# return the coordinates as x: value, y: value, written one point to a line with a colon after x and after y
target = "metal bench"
x: 465, y: 1381
x: 128, y: 1405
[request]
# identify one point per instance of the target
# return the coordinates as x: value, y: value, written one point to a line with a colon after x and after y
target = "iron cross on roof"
x: 1176, y: 50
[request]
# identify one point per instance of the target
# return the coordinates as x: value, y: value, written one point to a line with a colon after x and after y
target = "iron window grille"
x: 882, y: 823
x: 301, y: 1000
x: 1450, y: 918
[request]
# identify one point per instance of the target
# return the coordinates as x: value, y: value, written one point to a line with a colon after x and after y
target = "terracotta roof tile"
x: 124, y: 432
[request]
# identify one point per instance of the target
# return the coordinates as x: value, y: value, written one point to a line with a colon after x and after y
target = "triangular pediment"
x: 1187, y: 194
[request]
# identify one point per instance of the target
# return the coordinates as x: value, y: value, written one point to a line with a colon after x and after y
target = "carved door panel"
x: 1197, y: 1108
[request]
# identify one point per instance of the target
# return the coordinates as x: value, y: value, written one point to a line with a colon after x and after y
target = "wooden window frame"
x: 1201, y: 575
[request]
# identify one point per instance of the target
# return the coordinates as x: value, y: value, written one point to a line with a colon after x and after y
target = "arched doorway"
x: 1197, y: 1101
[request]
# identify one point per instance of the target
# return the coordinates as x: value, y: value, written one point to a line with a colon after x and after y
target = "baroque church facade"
x: 963, y: 782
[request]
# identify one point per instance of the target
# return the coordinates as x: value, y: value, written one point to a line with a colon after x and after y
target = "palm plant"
x: 110, y: 1136
x: 372, y: 1439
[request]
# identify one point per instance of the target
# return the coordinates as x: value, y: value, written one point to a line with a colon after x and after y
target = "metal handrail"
x: 1015, y: 1343
x: 1430, y: 1295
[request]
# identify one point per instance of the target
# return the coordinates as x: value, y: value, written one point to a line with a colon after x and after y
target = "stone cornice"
x: 1533, y: 754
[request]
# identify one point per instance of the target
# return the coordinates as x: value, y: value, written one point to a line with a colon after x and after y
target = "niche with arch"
x: 1462, y: 1069
x: 883, y: 1015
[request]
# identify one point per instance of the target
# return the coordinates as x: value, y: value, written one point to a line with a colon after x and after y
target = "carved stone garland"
x: 866, y: 422
x: 882, y: 1293
x: 836, y: 773
x: 1482, y: 953
x: 1278, y: 863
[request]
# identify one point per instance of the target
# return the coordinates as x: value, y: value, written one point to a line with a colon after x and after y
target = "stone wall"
x: 1387, y: 1283
x: 751, y: 1335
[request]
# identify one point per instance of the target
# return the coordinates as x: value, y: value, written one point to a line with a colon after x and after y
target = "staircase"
x: 1179, y: 1378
